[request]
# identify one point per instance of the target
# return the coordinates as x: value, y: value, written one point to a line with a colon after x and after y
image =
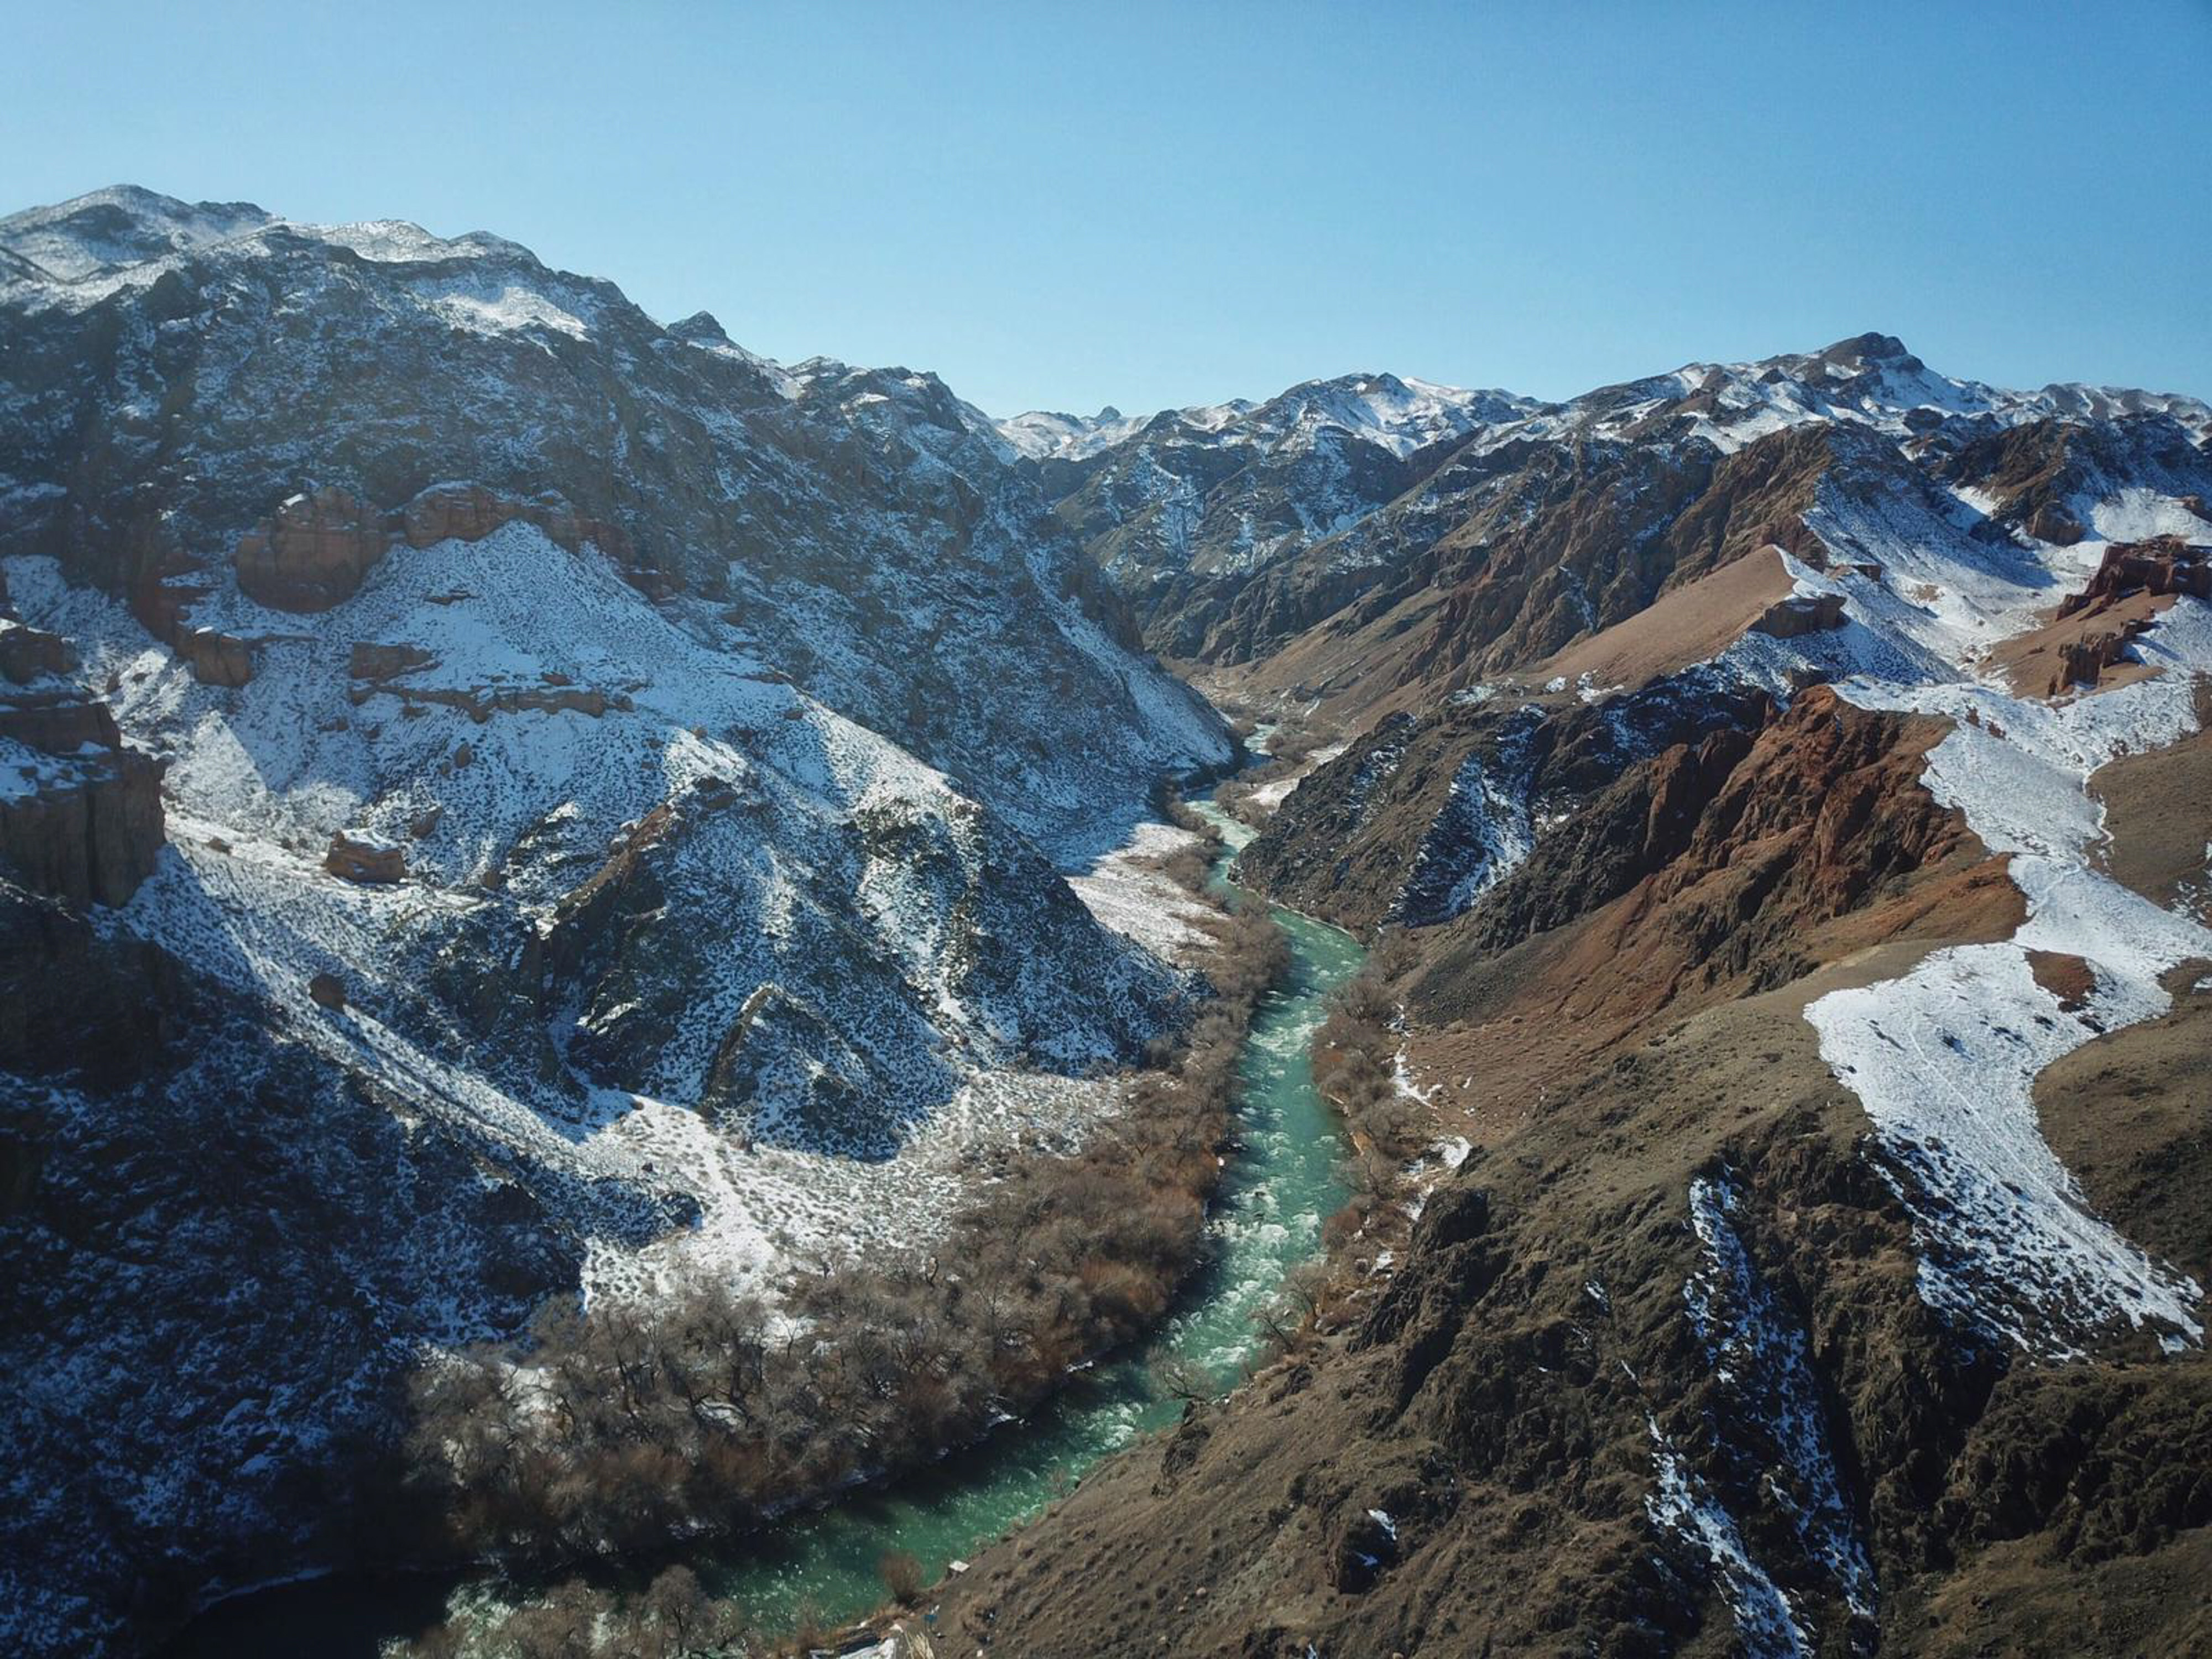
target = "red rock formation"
x: 1711, y: 865
x: 215, y: 658
x: 83, y: 824
x: 312, y: 553
x: 26, y: 653
x: 2082, y: 662
x: 159, y: 601
x: 469, y: 512
x: 2164, y: 566
x: 466, y: 513
x: 365, y: 858
x: 1801, y: 614
x: 62, y: 723
x: 2051, y: 522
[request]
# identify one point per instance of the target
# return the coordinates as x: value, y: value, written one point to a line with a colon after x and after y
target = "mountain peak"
x: 121, y: 225
x: 1869, y: 347
x: 701, y: 327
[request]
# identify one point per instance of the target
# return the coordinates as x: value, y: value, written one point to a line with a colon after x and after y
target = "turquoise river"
x: 1287, y: 1179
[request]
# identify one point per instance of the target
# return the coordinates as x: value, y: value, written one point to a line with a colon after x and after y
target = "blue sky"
x: 1063, y: 206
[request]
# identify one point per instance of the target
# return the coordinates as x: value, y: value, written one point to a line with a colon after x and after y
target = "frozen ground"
x: 1126, y: 892
x: 1946, y: 1059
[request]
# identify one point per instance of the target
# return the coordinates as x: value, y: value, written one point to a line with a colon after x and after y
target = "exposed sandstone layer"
x: 365, y: 859
x: 311, y: 554
x: 2164, y: 566
x: 217, y: 658
x: 79, y: 811
x: 2086, y: 644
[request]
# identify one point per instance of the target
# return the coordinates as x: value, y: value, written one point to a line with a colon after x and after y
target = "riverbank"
x: 825, y: 1561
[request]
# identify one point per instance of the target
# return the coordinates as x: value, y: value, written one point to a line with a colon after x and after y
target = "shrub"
x: 902, y: 1574
x: 629, y: 1425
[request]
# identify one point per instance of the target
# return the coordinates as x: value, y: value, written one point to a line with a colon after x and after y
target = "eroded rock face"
x: 2033, y: 473
x: 480, y: 703
x: 92, y: 838
x: 470, y: 513
x: 217, y: 658
x: 311, y: 554
x: 1761, y: 834
x: 2163, y: 566
x: 365, y: 858
x: 1802, y: 614
x: 1424, y: 813
x: 80, y: 814
x: 2082, y: 662
x: 28, y: 654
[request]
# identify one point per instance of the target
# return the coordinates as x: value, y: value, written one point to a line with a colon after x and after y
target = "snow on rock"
x: 863, y: 531
x: 1776, y: 1440
x: 1869, y: 381
x: 1765, y: 1622
x: 800, y: 815
x: 1481, y: 836
x: 1945, y: 1058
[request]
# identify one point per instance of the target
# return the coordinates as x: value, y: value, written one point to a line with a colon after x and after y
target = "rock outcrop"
x: 1802, y: 614
x: 81, y: 817
x: 469, y: 512
x: 30, y: 653
x: 2163, y: 566
x: 355, y: 855
x: 311, y: 554
x: 216, y: 657
x: 2082, y: 661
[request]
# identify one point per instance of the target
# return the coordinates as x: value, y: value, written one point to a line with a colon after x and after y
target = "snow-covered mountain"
x: 1224, y: 488
x: 496, y: 795
x: 1510, y: 527
x: 1869, y: 380
x: 174, y: 373
x: 1778, y: 794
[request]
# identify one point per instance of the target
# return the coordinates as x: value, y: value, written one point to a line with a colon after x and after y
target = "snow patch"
x: 1945, y: 1060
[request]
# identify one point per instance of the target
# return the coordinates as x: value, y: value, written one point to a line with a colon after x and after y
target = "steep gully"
x: 1268, y: 1220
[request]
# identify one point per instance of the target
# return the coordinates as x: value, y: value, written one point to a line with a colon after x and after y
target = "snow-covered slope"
x: 173, y: 372
x: 1237, y: 532
x: 617, y: 797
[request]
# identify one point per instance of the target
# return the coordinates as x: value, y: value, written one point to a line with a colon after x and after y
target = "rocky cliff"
x: 498, y: 798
